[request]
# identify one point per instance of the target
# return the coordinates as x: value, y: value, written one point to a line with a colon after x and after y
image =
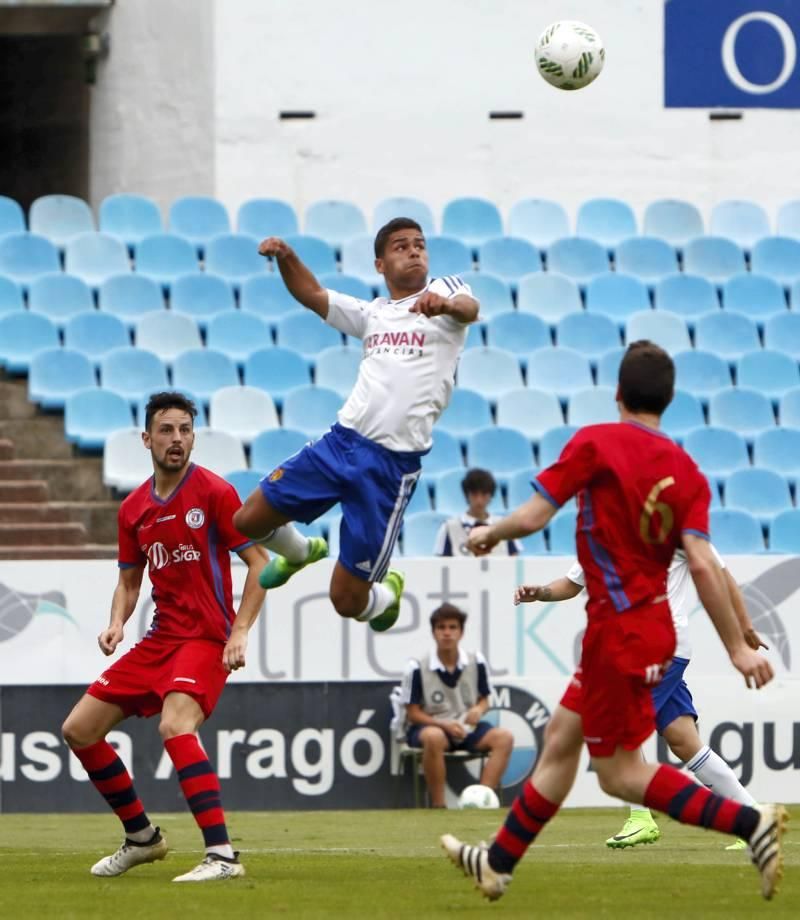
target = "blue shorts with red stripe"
x: 671, y: 697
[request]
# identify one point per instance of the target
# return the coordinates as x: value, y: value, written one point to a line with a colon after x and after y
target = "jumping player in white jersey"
x: 676, y: 716
x: 370, y: 460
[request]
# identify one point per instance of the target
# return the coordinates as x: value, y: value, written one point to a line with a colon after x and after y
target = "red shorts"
x: 623, y: 657
x: 140, y: 680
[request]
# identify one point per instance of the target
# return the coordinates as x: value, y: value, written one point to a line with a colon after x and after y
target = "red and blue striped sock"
x: 529, y: 814
x: 112, y: 780
x: 200, y: 786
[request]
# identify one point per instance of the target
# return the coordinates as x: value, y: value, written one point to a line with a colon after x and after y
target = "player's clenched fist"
x: 274, y: 247
x: 481, y: 540
x: 233, y: 654
x: 525, y: 594
x: 756, y: 669
x: 430, y: 304
x: 109, y: 639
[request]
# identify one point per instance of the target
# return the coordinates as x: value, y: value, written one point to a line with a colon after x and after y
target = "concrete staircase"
x: 53, y: 504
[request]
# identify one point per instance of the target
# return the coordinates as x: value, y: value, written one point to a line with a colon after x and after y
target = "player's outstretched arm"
x: 716, y: 599
x: 123, y: 603
x: 562, y: 589
x: 523, y: 521
x: 233, y: 655
x: 300, y: 280
x: 751, y: 637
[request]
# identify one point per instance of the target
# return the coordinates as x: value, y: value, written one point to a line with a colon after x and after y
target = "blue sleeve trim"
x: 238, y: 549
x: 538, y: 487
x: 415, y: 696
x: 697, y: 533
x: 130, y: 565
x: 483, y: 680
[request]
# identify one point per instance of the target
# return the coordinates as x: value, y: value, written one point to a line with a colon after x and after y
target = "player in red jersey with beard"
x: 180, y: 522
x: 641, y: 497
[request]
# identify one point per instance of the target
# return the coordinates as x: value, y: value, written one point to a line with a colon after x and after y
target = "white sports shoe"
x: 474, y: 863
x: 213, y: 868
x: 765, y: 846
x: 131, y: 854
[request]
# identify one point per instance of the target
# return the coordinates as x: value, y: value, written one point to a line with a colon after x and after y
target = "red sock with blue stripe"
x: 529, y: 814
x: 201, y: 789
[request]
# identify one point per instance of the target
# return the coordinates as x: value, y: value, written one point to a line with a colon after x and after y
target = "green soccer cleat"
x: 737, y: 844
x: 639, y: 828
x: 278, y: 570
x: 395, y: 581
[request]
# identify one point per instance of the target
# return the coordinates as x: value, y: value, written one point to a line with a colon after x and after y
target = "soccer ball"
x: 569, y: 54
x: 478, y: 796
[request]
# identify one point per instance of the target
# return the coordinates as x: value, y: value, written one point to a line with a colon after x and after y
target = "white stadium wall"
x: 189, y: 101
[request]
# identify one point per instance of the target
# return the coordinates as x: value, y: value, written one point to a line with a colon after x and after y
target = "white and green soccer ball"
x: 478, y: 796
x: 569, y: 54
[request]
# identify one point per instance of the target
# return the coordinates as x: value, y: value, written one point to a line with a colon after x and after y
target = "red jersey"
x: 186, y: 539
x: 638, y: 492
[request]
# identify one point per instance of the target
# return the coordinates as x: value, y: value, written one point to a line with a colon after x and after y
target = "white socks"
x: 712, y: 771
x: 288, y: 542
x: 144, y: 836
x: 380, y: 597
x: 224, y: 849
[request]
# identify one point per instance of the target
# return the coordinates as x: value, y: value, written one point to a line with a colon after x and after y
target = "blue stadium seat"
x: 777, y: 449
x: 472, y: 220
x: 755, y: 296
x: 532, y: 412
x: 129, y: 297
x: 130, y: 218
x: 449, y: 496
x: 202, y: 296
x: 592, y: 406
x: 59, y: 296
x: 244, y: 481
x: 275, y: 445
x: 337, y: 368
x: 25, y: 256
x: 764, y: 493
x: 746, y: 411
x: 673, y: 220
x: 277, y: 370
x: 788, y: 222
x: 548, y: 295
x: 501, y: 450
x: 491, y: 292
x: 420, y: 498
x: 234, y: 257
x: 683, y: 414
x: 316, y: 254
x: 771, y: 372
x: 95, y: 258
x: 727, y: 334
x: 491, y: 371
x: 665, y: 329
x: 608, y: 367
x: 263, y: 217
x: 306, y: 334
x: 519, y: 488
x: 789, y: 409
x: 358, y: 258
x: 198, y: 219
x: 606, y: 220
x: 591, y: 334
x: 736, y: 532
x: 784, y: 532
x: 782, y: 333
x: 218, y: 451
x: 577, y: 258
x: 238, y: 334
x: 242, y: 411
x: 132, y: 372
x: 510, y: 258
x: 744, y: 222
x: 701, y: 372
x: 534, y: 544
x: 312, y: 409
x: 777, y: 257
x: 93, y: 334
x: 444, y: 455
x: 167, y: 334
x: 420, y: 531
x: 91, y: 415
x: 717, y: 451
x: 201, y: 419
x: 467, y: 411
x: 336, y: 222
x: 56, y: 374
x: 714, y: 257
x: 267, y: 296
x: 203, y: 370
x: 552, y: 443
x: 22, y: 336
x: 344, y: 284
x: 648, y: 258
x: 689, y: 296
x: 561, y: 531
x: 60, y: 218
x: 10, y: 295
x: 475, y: 337
x: 447, y: 256
x: 518, y: 333
x: 538, y: 221
x: 165, y: 257
x: 616, y: 296
x: 12, y: 217
x: 560, y: 370
x: 400, y: 206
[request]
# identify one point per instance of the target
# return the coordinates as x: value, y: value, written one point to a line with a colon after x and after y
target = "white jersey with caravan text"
x: 408, y: 368
x: 681, y: 602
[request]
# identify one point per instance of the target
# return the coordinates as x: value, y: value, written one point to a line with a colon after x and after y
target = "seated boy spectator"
x: 479, y: 488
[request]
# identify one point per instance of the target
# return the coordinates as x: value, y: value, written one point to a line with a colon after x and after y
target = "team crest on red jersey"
x: 195, y: 518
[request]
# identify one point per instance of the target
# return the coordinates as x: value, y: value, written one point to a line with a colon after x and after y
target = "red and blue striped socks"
x: 529, y: 814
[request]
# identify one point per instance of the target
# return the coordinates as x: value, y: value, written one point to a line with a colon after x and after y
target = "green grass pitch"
x: 383, y: 864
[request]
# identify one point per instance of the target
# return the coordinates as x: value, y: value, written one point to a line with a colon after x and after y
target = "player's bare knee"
x: 171, y: 728
x: 76, y: 734
x: 347, y: 603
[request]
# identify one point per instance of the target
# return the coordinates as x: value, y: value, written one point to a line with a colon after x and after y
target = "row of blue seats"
x: 471, y: 219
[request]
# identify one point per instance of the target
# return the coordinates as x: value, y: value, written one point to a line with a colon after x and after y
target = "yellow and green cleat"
x: 737, y: 844
x: 639, y: 828
x: 395, y: 581
x: 279, y: 570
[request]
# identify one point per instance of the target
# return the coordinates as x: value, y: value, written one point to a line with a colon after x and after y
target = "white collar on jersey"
x: 435, y: 662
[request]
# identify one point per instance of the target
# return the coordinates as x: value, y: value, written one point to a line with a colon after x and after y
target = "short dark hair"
x: 395, y: 224
x: 646, y: 378
x: 168, y: 400
x: 448, y: 612
x: 478, y: 480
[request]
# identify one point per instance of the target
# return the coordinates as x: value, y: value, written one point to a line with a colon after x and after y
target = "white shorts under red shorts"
x: 623, y: 657
x: 139, y: 681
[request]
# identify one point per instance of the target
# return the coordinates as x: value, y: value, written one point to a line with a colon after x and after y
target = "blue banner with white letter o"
x: 732, y: 53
